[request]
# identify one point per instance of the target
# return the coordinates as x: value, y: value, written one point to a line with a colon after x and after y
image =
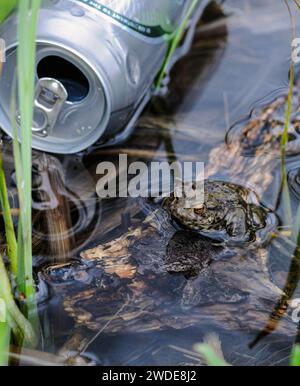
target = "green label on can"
x: 146, y: 30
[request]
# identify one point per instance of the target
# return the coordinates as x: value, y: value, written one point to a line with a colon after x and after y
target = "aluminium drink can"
x: 96, y: 64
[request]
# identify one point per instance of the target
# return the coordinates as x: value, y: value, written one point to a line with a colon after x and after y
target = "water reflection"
x: 123, y: 299
x: 221, y: 80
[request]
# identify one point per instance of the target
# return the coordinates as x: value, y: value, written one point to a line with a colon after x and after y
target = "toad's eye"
x: 199, y: 211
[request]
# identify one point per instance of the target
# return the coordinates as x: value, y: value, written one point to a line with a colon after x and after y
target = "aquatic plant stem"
x: 297, y: 4
x: 284, y: 141
x: 6, y: 7
x: 8, y: 222
x: 28, y: 14
x: 211, y: 351
x: 175, y: 43
x: 4, y: 343
x: 20, y: 326
x: 4, y: 334
x: 285, y: 134
x: 5, y: 331
x: 295, y: 357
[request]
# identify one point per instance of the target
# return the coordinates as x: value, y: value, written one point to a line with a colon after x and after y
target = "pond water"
x: 127, y: 302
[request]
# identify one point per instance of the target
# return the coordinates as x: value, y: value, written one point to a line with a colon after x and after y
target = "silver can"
x: 96, y: 64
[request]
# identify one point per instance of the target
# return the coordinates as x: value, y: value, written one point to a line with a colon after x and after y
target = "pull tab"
x: 50, y: 95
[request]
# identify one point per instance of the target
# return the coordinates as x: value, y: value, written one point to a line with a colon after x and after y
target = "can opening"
x: 67, y: 73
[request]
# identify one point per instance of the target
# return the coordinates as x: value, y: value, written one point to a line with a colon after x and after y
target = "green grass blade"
x: 175, y: 43
x: 295, y: 358
x: 6, y: 7
x: 210, y: 355
x: 4, y: 343
x: 8, y: 222
x: 285, y: 134
x: 284, y: 140
x: 28, y: 15
x: 20, y: 326
x: 16, y: 145
x: 4, y: 335
x: 297, y: 4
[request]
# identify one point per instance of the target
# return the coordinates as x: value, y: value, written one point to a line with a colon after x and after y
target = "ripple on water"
x: 261, y: 131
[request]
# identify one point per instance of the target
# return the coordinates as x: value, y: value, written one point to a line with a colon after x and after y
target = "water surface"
x: 237, y: 62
